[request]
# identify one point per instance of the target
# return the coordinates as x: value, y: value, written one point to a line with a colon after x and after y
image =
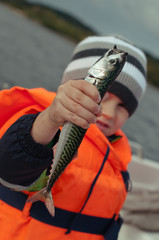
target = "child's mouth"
x: 101, y: 125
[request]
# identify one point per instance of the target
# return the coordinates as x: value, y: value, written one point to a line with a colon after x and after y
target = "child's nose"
x: 108, y: 110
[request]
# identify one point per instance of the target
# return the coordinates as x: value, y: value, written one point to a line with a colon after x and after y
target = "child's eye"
x: 121, y: 105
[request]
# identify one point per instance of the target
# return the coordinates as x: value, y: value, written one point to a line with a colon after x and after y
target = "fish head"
x: 109, y: 65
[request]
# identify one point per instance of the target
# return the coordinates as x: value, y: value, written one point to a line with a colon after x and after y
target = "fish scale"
x: 101, y: 74
x: 74, y: 139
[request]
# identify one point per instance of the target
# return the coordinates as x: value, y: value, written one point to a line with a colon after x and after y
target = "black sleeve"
x: 22, y: 160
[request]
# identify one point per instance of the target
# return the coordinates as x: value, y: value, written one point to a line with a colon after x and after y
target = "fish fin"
x: 46, y: 197
x: 76, y: 155
x: 37, y: 196
x: 49, y: 203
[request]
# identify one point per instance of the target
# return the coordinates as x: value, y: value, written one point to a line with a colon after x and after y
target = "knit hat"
x: 130, y: 84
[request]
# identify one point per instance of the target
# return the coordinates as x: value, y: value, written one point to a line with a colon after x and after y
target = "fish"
x: 102, y: 74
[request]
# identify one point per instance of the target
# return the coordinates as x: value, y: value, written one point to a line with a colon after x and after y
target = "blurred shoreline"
x: 34, y: 56
x: 70, y: 27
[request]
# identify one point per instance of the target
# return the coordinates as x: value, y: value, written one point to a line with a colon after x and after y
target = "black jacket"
x: 22, y: 160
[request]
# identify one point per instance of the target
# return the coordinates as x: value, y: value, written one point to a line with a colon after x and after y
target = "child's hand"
x: 77, y: 102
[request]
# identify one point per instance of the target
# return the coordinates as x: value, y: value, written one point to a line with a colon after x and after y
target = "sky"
x: 136, y: 20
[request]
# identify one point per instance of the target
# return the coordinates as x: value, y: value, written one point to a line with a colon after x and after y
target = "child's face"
x: 114, y: 115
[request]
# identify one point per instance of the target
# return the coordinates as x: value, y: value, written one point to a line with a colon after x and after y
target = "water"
x: 143, y: 126
x: 30, y: 55
x: 33, y: 56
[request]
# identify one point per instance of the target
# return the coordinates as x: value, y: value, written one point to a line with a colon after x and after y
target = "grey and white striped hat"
x: 130, y: 85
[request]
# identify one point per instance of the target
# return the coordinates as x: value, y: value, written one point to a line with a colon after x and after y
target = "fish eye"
x: 113, y: 61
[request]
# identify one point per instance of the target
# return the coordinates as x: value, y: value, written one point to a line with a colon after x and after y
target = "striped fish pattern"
x: 101, y: 74
x: 74, y: 138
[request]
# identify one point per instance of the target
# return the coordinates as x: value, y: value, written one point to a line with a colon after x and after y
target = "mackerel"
x: 101, y: 74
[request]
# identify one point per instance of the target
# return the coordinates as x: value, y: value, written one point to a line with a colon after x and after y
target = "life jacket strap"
x: 63, y: 218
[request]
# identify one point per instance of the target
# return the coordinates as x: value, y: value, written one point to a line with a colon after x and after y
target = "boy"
x: 91, y: 191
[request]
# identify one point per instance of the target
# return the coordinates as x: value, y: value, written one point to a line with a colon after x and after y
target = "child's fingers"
x: 87, y: 88
x: 82, y: 112
x: 80, y: 99
x: 81, y: 95
x: 76, y: 101
x: 79, y: 121
x: 64, y: 114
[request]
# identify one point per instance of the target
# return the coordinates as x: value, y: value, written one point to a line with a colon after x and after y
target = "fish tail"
x: 46, y: 197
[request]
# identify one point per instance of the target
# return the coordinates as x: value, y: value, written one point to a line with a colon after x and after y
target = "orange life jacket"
x: 89, y: 194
